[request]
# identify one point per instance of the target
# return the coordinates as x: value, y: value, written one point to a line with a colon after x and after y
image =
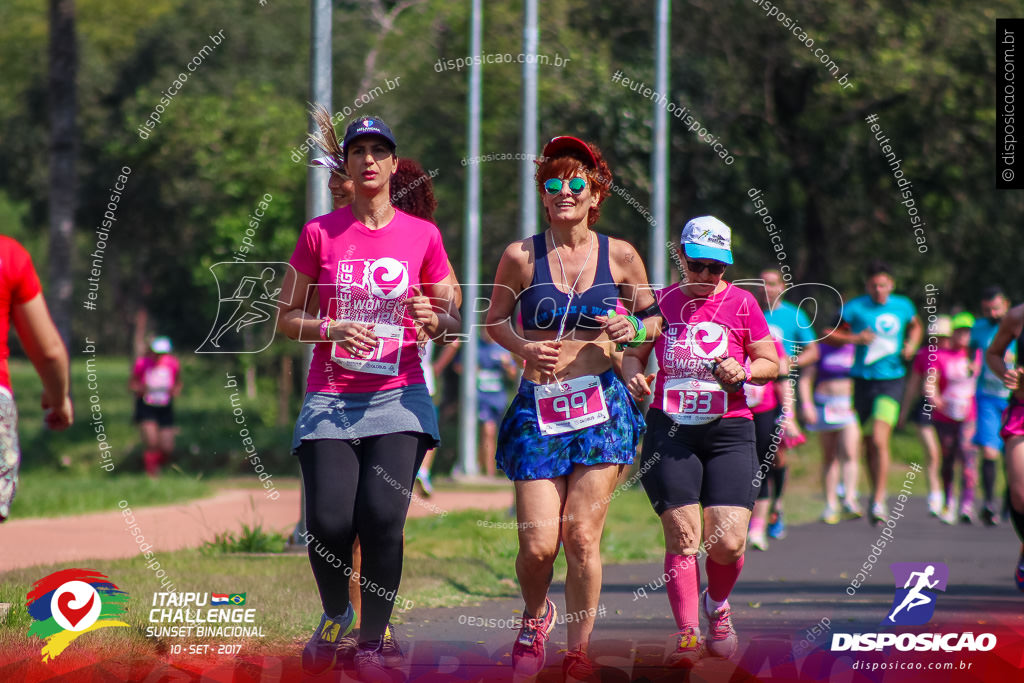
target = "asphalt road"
x: 798, y: 585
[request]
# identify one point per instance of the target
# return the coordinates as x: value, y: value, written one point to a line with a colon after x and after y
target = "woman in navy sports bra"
x: 572, y: 425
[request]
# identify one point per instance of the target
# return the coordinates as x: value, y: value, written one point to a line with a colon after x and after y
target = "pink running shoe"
x: 528, y: 650
x: 689, y: 649
x: 722, y: 640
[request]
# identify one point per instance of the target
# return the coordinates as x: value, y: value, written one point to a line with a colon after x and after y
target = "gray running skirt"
x: 328, y: 415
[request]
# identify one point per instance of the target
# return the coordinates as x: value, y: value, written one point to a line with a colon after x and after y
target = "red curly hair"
x: 568, y: 163
x: 412, y: 191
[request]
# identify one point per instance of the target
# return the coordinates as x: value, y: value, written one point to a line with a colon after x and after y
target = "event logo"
x: 887, y: 325
x: 395, y: 278
x: 710, y: 333
x: 914, y: 602
x: 68, y: 603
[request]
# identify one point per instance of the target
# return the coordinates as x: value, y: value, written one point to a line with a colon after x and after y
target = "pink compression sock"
x: 683, y: 588
x: 722, y: 578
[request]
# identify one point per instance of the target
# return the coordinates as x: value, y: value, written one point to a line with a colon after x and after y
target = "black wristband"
x: 653, y: 309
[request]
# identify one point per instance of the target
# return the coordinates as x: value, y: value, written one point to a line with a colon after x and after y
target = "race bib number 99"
x: 571, y: 405
x: 693, y: 401
x: 383, y: 360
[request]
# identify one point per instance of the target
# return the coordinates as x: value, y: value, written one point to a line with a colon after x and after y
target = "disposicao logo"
x: 68, y: 603
x: 914, y: 604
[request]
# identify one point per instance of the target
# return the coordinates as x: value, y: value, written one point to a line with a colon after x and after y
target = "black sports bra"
x: 543, y: 305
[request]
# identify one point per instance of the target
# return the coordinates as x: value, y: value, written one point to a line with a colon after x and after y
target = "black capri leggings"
x: 712, y: 464
x: 359, y: 487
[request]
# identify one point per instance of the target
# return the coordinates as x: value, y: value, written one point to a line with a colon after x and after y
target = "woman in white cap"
x: 367, y: 419
x: 698, y: 458
x: 572, y: 426
x: 156, y: 381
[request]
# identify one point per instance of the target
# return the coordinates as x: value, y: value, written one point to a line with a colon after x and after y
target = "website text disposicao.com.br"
x: 459, y: 63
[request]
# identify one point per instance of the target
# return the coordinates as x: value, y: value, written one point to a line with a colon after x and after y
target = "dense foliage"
x: 226, y: 137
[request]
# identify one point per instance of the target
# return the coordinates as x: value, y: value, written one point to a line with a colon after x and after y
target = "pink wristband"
x: 323, y: 328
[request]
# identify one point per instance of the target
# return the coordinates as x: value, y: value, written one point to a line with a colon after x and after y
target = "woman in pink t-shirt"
x: 382, y: 279
x: 1012, y: 328
x: 947, y: 378
x: 699, y: 450
x: 156, y: 381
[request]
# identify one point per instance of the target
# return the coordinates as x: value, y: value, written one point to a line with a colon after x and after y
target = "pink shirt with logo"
x: 157, y: 377
x: 697, y: 330
x: 366, y: 275
x: 955, y: 384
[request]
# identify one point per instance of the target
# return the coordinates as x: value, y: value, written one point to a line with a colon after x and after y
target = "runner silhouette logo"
x: 247, y: 306
x: 916, y: 583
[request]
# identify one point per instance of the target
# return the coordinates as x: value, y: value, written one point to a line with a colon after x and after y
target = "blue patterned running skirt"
x: 524, y: 453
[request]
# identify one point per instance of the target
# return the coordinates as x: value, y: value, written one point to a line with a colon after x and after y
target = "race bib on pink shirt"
x: 383, y: 360
x: 691, y: 401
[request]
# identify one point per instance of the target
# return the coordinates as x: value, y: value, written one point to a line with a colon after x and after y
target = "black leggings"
x: 359, y: 487
x: 765, y: 427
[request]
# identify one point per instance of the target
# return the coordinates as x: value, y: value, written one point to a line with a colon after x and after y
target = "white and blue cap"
x: 161, y: 345
x: 707, y: 237
x: 368, y: 125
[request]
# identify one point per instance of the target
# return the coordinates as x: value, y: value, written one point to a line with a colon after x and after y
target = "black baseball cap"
x: 368, y: 125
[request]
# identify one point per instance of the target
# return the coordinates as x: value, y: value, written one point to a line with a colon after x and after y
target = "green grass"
x: 61, y: 472
x: 208, y: 438
x: 58, y: 493
x: 252, y: 539
x: 46, y: 493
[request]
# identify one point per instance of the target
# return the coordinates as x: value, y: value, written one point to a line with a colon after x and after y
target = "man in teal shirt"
x: 887, y: 332
x: 991, y: 396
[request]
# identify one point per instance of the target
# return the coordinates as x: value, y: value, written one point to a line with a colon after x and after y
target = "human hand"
x: 617, y: 327
x: 640, y: 385
x: 543, y: 355
x: 729, y: 373
x: 356, y: 338
x: 58, y: 414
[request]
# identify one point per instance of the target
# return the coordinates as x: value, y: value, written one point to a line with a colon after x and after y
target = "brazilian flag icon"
x: 237, y: 599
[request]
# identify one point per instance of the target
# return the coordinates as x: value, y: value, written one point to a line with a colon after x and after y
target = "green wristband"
x: 641, y: 332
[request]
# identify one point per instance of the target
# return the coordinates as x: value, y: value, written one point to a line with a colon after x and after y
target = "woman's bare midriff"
x: 583, y: 352
x: 840, y: 386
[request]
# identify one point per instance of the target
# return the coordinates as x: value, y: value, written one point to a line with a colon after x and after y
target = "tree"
x: 63, y: 70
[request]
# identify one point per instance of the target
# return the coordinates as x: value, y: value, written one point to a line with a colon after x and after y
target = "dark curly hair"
x: 412, y: 191
x: 567, y: 164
